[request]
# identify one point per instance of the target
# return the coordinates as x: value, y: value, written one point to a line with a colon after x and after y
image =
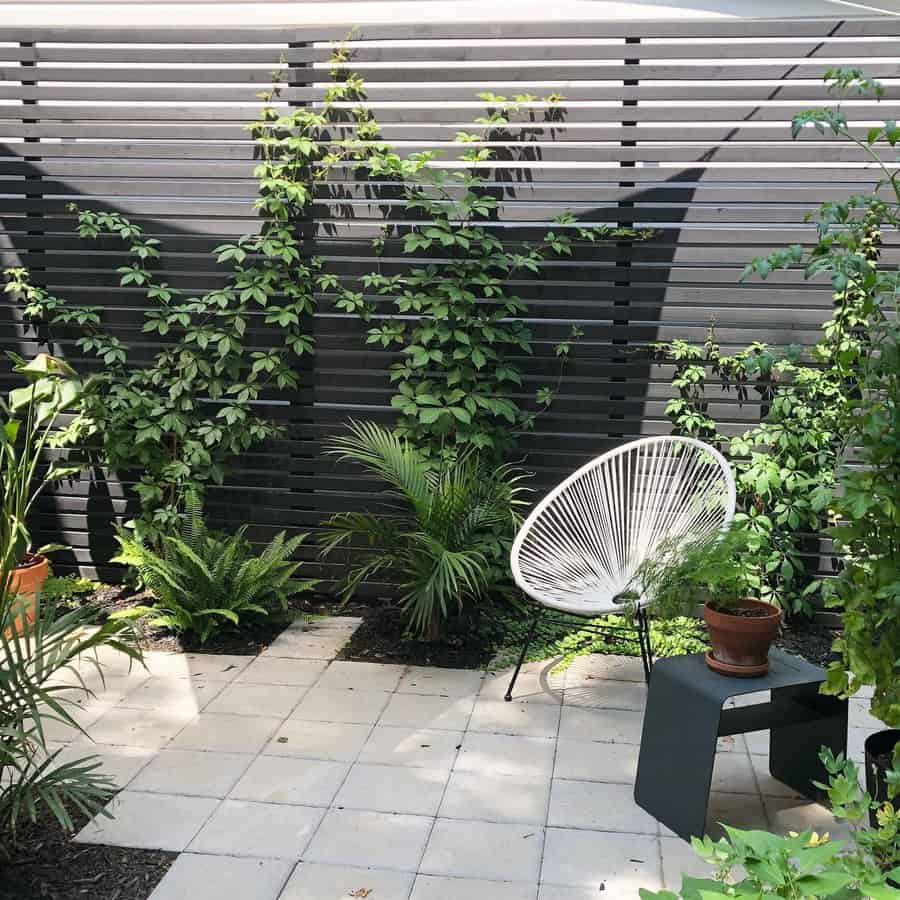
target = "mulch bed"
x: 47, y: 865
x: 811, y: 640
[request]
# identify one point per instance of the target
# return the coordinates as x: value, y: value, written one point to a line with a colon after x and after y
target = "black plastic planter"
x: 879, y: 748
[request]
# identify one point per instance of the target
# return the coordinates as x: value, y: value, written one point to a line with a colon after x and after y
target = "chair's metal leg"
x: 643, y: 630
x: 537, y: 615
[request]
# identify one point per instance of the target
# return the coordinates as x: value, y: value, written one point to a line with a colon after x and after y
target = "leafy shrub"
x: 446, y: 534
x: 206, y: 582
x: 67, y: 587
x: 32, y: 778
x: 805, y: 866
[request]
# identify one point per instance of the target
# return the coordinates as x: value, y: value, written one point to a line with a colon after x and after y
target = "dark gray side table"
x: 685, y: 717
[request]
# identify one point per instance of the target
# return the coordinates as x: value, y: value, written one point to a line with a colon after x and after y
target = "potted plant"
x: 29, y: 426
x: 718, y: 573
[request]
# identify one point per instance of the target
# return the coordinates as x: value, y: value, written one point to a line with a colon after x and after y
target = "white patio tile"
x: 739, y: 810
x: 424, y: 711
x: 769, y: 785
x: 411, y: 747
x: 228, y: 734
x: 380, y: 840
x: 241, y: 699
x: 678, y: 859
x: 294, y: 644
x: 443, y: 682
x: 318, y: 740
x: 316, y: 881
x: 757, y: 742
x: 149, y: 821
x: 191, y: 772
x: 736, y: 743
x: 786, y: 815
x: 354, y: 707
x: 596, y: 761
x: 149, y: 728
x: 55, y: 729
x: 204, y: 877
x: 111, y: 689
x: 266, y: 830
x: 598, y: 806
x: 437, y: 887
x: 501, y: 754
x: 607, y: 693
x: 856, y: 744
x: 561, y: 892
x: 733, y: 773
x: 500, y: 717
x: 120, y: 764
x: 585, y: 669
x: 401, y: 789
x: 859, y: 716
x: 489, y: 850
x: 618, y: 726
x: 270, y: 670
x: 617, y: 864
x: 537, y: 683
x: 286, y: 779
x: 327, y: 623
x: 360, y: 676
x: 189, y: 695
x: 208, y: 666
x: 496, y: 798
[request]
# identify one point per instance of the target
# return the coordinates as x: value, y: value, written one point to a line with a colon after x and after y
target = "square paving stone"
x: 607, y: 667
x: 318, y: 740
x: 202, y: 877
x: 151, y: 728
x: 294, y: 672
x: 184, y: 694
x: 442, y: 682
x: 769, y: 786
x: 503, y: 754
x: 437, y: 887
x: 596, y: 761
x: 192, y: 772
x: 607, y: 694
x: 560, y: 892
x: 785, y: 814
x: 537, y: 683
x: 315, y: 881
x: 411, y: 747
x: 360, y: 676
x: 679, y: 859
x: 285, y: 779
x: 496, y: 798
x: 276, y: 700
x: 739, y: 810
x: 401, y: 789
x: 228, y: 734
x: 733, y: 773
x: 294, y: 644
x: 380, y: 840
x: 267, y: 830
x: 617, y: 726
x: 500, y: 717
x: 120, y: 764
x: 598, y: 806
x: 426, y: 711
x: 149, y: 821
x: 354, y: 707
x: 617, y: 864
x: 209, y: 666
x: 500, y: 852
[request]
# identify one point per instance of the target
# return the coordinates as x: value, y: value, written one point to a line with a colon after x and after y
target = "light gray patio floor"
x: 293, y: 776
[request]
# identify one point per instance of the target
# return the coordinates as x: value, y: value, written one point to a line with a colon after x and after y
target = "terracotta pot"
x: 26, y: 582
x: 740, y: 644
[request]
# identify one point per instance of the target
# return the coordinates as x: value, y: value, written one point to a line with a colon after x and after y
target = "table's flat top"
x: 785, y: 670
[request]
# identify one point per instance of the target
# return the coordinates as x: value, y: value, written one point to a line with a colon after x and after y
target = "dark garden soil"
x: 47, y: 865
x: 811, y: 640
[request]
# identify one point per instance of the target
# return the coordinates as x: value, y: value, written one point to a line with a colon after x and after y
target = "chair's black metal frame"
x: 615, y: 632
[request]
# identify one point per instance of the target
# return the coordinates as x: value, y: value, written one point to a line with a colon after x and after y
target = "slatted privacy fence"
x: 682, y: 126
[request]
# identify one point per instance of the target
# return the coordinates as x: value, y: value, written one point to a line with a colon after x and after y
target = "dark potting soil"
x: 46, y: 864
x: 811, y: 640
x: 248, y: 639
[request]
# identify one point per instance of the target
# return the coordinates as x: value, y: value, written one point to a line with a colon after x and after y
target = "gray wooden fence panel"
x: 680, y: 126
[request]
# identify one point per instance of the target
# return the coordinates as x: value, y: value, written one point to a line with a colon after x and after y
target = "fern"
x: 205, y: 582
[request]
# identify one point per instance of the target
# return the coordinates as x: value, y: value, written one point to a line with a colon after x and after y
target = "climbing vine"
x: 178, y: 417
x: 786, y: 466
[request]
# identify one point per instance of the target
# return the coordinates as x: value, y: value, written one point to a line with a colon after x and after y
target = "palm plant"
x: 33, y: 656
x: 205, y: 581
x: 447, y: 531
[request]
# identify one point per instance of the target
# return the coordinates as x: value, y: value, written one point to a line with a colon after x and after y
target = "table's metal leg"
x: 794, y: 747
x: 678, y: 751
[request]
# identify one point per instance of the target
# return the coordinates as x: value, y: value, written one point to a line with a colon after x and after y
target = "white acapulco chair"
x: 581, y: 547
